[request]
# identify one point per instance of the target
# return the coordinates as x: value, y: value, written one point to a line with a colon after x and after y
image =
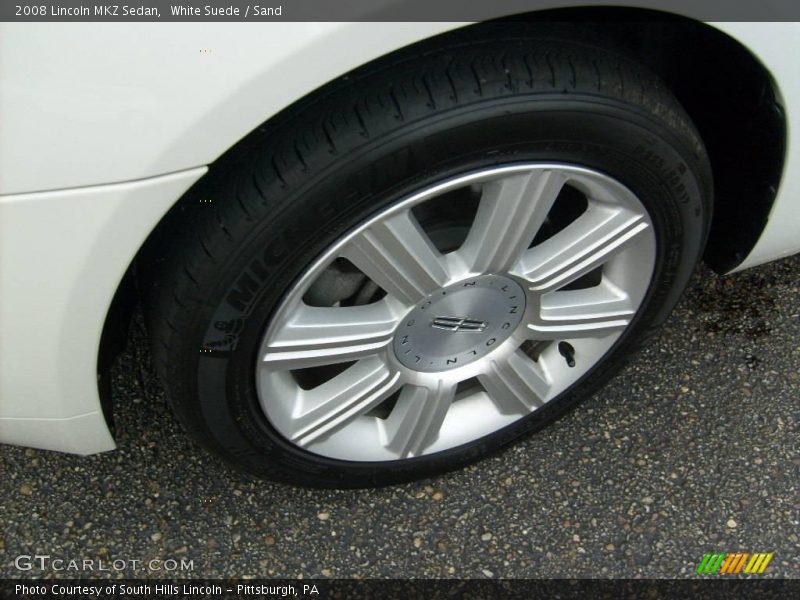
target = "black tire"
x: 247, y: 231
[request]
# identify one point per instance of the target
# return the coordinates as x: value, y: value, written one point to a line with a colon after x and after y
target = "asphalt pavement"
x: 693, y: 448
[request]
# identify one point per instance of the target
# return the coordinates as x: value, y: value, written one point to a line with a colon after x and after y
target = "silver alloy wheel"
x: 466, y: 342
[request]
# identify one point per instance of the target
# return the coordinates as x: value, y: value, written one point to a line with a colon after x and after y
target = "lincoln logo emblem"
x: 459, y: 324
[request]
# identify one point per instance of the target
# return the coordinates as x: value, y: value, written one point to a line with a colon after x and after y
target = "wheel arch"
x: 699, y: 75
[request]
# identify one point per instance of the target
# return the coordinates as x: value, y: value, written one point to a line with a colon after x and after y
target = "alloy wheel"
x: 412, y: 335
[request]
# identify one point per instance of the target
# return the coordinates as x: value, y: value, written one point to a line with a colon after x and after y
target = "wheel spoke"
x: 417, y: 417
x: 399, y: 257
x: 332, y: 405
x: 517, y: 385
x: 318, y: 336
x: 593, y: 312
x: 510, y: 213
x: 587, y: 243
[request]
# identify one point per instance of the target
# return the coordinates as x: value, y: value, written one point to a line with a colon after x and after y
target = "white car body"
x: 105, y: 126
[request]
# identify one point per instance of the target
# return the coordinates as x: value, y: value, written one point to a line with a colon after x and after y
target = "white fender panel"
x: 93, y: 103
x: 62, y: 256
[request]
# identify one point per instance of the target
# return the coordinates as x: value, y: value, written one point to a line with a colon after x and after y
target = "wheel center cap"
x: 459, y: 324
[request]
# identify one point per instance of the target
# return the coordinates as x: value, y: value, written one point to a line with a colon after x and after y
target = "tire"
x: 244, y: 237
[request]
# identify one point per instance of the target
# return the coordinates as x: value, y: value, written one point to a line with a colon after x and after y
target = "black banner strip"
x: 375, y: 10
x: 710, y: 587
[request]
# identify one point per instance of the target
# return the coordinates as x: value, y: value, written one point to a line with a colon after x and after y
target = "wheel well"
x: 728, y: 94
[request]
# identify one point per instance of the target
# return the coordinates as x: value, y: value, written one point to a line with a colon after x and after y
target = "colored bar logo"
x: 733, y: 563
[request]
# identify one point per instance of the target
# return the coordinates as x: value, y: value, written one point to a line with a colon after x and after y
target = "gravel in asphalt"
x: 692, y: 448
